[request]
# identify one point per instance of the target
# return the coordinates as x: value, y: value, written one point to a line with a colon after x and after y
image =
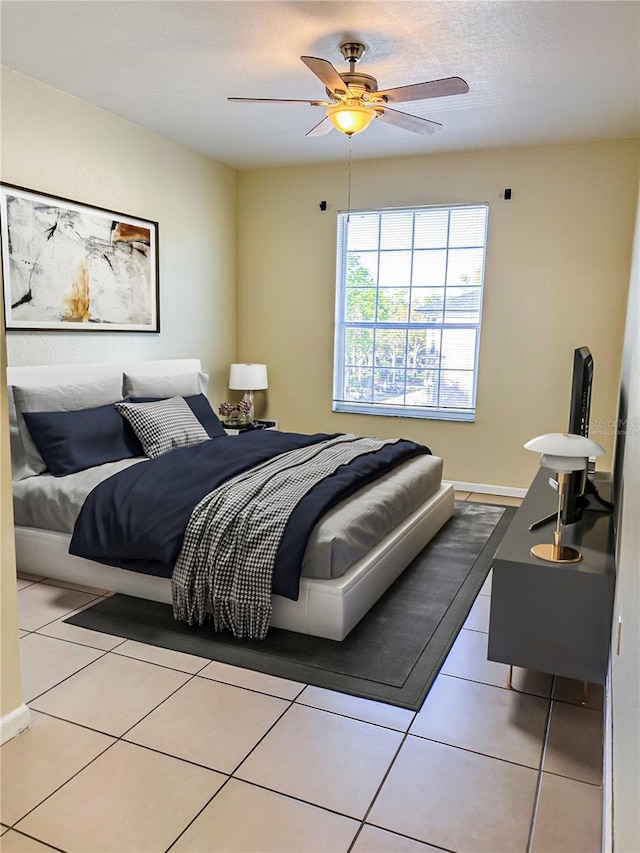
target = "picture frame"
x: 68, y: 266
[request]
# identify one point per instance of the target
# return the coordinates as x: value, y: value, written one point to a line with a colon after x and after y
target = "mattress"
x: 341, y: 538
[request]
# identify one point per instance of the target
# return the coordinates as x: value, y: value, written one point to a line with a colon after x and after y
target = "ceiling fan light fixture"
x: 350, y: 117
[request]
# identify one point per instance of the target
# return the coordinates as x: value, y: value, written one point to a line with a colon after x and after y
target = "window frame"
x: 467, y: 414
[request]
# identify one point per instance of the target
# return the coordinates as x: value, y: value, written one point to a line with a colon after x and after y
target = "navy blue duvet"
x: 136, y: 519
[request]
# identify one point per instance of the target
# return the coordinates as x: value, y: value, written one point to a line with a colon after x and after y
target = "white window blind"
x: 409, y: 290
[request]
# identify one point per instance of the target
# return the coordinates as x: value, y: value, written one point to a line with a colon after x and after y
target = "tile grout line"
x: 536, y: 798
x: 359, y: 719
x: 66, y: 614
x: 34, y: 838
x: 66, y: 781
x: 382, y: 782
x: 427, y: 844
x: 475, y: 752
x: 497, y: 686
x: 67, y: 677
x: 72, y: 642
x: 197, y: 815
x: 236, y: 768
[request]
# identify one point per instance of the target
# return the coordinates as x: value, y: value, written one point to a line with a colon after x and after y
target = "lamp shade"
x: 564, y: 451
x: 248, y: 377
x: 350, y: 117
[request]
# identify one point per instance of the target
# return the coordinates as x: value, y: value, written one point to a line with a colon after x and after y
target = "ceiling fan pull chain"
x: 349, y: 192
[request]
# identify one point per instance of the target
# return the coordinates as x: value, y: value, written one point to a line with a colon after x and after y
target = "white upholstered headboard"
x: 64, y: 374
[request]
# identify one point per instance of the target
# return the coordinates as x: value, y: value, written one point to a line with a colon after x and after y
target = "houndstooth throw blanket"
x: 225, y: 567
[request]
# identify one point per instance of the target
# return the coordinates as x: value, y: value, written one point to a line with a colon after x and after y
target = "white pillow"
x: 25, y: 459
x: 164, y: 425
x: 180, y: 385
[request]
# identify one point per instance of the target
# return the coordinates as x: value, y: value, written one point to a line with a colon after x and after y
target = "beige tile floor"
x: 134, y: 748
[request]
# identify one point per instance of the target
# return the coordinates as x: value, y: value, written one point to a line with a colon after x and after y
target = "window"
x: 408, y: 311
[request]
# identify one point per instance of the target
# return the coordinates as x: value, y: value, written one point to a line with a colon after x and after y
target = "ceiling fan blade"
x: 322, y: 128
x: 430, y: 89
x: 323, y: 69
x: 279, y: 101
x: 408, y: 122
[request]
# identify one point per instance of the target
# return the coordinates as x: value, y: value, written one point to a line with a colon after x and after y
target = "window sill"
x: 396, y: 412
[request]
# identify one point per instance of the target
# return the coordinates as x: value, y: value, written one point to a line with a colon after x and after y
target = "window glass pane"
x: 462, y: 305
x: 467, y: 227
x: 429, y: 268
x: 395, y: 269
x: 362, y: 231
x: 458, y: 349
x: 427, y: 304
x: 388, y: 386
x: 358, y: 384
x: 456, y: 389
x: 360, y: 304
x: 396, y: 230
x: 431, y: 228
x: 358, y: 347
x: 422, y: 388
x: 391, y: 348
x: 362, y: 269
x: 464, y: 267
x: 423, y: 349
x: 393, y: 305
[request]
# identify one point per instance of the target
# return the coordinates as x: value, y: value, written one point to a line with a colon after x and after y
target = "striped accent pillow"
x: 164, y: 425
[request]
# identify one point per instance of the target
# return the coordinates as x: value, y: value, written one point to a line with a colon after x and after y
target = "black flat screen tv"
x: 579, y: 411
x: 581, y: 383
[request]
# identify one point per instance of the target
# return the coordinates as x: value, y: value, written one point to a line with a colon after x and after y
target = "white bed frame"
x: 325, y: 608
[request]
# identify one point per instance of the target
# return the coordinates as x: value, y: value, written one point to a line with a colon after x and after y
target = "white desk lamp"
x: 564, y: 453
x: 248, y: 378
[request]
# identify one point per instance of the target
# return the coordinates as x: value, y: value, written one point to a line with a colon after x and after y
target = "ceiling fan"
x: 354, y: 98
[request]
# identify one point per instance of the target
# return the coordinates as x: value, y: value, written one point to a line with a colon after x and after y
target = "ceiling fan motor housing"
x: 352, y: 50
x: 362, y: 85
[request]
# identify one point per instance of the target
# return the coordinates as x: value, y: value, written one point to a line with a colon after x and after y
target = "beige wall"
x: 625, y: 666
x: 556, y: 278
x: 60, y: 145
x: 63, y: 146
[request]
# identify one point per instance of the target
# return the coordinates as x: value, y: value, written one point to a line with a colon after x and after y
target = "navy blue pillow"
x: 200, y: 407
x: 73, y: 441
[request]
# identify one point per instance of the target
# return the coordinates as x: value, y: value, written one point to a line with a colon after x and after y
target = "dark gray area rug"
x: 393, y: 655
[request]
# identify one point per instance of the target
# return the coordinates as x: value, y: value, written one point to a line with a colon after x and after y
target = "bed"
x: 348, y: 562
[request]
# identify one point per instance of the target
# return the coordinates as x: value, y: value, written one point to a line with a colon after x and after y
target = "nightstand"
x: 257, y: 424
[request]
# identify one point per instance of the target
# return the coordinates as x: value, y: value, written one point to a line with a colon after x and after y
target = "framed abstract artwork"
x: 70, y: 267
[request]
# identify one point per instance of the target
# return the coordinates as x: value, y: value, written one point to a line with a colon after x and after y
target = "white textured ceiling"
x: 539, y: 71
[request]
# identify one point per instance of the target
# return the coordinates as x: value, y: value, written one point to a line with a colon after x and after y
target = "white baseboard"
x: 488, y: 489
x: 14, y: 722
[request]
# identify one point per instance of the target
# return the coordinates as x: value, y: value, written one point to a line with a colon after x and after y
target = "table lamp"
x: 248, y: 378
x: 563, y: 453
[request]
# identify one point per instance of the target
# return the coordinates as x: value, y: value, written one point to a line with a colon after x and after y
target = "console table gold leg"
x: 585, y: 692
x: 510, y: 678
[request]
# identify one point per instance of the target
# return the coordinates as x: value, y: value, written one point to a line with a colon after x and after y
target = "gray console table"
x: 554, y: 617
